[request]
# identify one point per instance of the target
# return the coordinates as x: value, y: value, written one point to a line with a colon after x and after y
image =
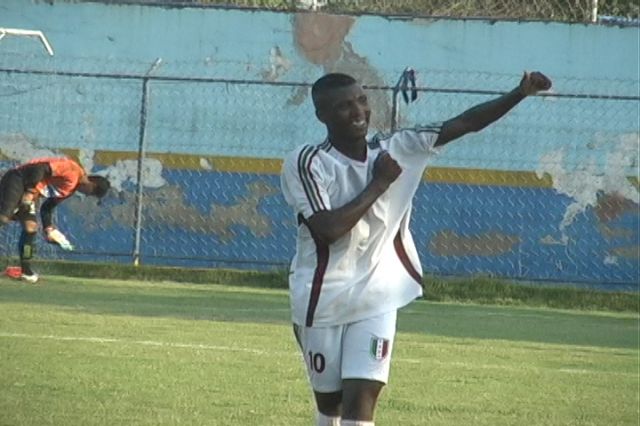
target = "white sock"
x: 322, y: 420
x: 356, y: 423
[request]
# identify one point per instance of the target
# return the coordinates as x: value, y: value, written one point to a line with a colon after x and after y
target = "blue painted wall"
x: 234, y: 83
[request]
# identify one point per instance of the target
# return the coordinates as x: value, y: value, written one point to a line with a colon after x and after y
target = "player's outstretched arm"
x: 481, y: 115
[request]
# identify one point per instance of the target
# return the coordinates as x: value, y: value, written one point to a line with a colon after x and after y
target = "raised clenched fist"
x: 385, y: 169
x: 534, y: 82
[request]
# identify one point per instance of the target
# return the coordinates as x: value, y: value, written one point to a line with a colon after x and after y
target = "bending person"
x: 53, y: 178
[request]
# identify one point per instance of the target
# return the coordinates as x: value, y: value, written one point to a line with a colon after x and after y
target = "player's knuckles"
x: 390, y: 167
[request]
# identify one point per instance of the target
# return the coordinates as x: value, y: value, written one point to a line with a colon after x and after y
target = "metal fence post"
x: 139, y: 184
x: 142, y: 150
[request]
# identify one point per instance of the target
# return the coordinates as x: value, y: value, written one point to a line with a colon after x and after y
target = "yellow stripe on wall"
x: 189, y: 162
x: 486, y: 177
x: 272, y: 166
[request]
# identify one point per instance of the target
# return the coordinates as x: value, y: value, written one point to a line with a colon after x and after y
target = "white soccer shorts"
x: 359, y: 350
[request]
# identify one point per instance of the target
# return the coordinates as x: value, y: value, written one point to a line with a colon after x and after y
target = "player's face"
x: 346, y: 112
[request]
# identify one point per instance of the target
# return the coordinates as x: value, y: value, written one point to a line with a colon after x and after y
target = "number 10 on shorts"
x: 316, y: 362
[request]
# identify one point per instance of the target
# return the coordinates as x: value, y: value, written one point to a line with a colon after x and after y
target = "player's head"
x: 342, y: 105
x: 95, y: 185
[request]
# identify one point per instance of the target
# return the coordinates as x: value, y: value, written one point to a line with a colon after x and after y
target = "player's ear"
x: 321, y: 115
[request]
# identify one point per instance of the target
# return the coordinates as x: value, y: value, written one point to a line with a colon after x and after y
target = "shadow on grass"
x: 183, y: 302
x: 521, y: 324
x: 219, y: 303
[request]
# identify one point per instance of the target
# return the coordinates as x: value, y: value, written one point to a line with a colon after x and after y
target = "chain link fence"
x: 194, y: 153
x: 547, y: 10
x: 195, y: 167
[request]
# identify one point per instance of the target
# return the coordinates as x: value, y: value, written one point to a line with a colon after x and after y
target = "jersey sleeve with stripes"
x: 304, y: 181
x: 419, y: 139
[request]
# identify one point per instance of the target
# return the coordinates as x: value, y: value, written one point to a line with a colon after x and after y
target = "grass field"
x: 106, y: 352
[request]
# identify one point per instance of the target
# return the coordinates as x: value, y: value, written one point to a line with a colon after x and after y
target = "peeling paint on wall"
x: 298, y: 96
x: 612, y: 206
x: 167, y: 208
x: 20, y: 148
x: 321, y: 39
x: 451, y: 243
x: 278, y: 65
x: 628, y: 252
x: 610, y: 233
x: 126, y: 171
x: 604, y: 187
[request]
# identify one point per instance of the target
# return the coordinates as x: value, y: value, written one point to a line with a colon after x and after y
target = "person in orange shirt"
x: 52, y: 178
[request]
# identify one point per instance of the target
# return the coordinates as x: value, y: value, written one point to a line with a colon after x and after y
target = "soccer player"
x: 55, y: 179
x: 356, y: 263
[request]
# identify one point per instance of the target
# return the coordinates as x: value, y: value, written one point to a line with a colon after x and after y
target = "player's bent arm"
x: 481, y: 115
x: 331, y: 225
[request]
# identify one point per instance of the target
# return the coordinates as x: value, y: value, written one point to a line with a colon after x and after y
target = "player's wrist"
x: 379, y: 186
x: 520, y: 92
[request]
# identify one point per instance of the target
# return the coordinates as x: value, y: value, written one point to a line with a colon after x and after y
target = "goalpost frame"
x: 28, y: 33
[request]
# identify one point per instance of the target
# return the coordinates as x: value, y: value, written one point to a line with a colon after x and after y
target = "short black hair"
x: 329, y: 82
x: 102, y: 185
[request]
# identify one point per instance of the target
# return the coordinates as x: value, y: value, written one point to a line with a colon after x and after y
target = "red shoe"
x: 14, y: 272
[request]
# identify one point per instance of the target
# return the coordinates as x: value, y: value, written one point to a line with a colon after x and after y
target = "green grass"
x: 77, y: 351
x: 480, y: 290
x: 486, y: 290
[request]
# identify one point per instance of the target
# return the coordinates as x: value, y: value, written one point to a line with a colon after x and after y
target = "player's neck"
x: 354, y: 148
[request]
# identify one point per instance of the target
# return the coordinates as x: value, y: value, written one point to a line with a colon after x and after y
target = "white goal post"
x: 27, y: 33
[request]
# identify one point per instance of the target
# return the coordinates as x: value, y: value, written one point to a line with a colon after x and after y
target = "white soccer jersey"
x: 374, y: 268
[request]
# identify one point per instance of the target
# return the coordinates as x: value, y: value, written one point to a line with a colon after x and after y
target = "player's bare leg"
x: 26, y: 248
x: 359, y: 399
x: 329, y: 404
x: 329, y: 408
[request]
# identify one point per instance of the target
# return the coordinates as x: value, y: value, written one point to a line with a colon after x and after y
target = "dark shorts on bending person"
x: 11, y: 190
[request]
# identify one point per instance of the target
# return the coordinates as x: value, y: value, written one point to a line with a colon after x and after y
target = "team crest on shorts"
x: 379, y: 348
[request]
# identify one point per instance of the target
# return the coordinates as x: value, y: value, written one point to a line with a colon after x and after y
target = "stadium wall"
x: 203, y: 103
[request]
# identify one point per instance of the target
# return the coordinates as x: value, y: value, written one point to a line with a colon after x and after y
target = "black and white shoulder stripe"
x: 374, y: 142
x: 309, y: 181
x: 429, y: 128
